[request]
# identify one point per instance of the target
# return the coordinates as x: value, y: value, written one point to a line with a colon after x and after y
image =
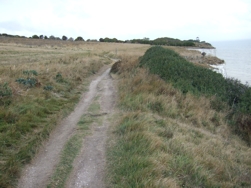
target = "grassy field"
x: 40, y: 83
x: 161, y: 137
x: 166, y: 138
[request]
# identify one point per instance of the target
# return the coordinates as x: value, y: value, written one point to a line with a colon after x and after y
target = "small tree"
x: 101, y: 40
x: 45, y: 37
x: 64, y: 37
x: 41, y: 36
x: 79, y: 39
x: 52, y: 37
x: 35, y: 37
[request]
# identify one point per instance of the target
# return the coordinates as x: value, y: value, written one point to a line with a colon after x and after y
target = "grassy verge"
x: 167, y: 139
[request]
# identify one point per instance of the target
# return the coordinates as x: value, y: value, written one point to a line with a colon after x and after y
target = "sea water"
x: 237, y: 57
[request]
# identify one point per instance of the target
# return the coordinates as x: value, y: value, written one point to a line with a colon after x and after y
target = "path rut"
x: 90, y: 163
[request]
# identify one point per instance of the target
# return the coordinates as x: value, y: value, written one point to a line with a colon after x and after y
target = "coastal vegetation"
x: 189, y: 78
x: 171, y: 134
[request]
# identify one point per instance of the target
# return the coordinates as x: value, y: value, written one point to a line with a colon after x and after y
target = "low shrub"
x: 29, y: 81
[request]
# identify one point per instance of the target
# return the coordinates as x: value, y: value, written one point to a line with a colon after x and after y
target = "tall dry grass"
x: 167, y: 139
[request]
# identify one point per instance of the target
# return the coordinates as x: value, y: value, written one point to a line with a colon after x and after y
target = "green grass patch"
x: 128, y: 161
x: 140, y: 141
x: 22, y: 129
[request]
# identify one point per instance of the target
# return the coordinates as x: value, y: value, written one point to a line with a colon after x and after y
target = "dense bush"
x: 183, y: 74
x: 110, y: 40
x: 35, y: 37
x: 201, y: 81
x: 64, y: 37
x: 79, y: 39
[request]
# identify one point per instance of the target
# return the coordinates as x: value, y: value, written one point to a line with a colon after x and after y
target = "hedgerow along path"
x: 89, y: 164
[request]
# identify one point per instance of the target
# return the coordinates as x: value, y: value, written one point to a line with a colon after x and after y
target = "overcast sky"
x: 211, y: 20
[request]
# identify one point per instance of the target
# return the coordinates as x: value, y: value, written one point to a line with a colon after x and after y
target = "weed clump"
x: 59, y: 78
x: 29, y: 81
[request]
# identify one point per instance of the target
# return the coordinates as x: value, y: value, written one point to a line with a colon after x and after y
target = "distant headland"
x: 165, y: 41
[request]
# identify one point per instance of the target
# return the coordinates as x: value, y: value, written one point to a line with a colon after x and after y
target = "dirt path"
x: 89, y: 164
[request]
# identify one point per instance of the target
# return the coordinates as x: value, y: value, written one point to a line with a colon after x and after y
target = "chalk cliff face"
x: 220, y: 69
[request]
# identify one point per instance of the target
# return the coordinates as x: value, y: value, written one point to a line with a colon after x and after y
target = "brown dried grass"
x: 190, y: 144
